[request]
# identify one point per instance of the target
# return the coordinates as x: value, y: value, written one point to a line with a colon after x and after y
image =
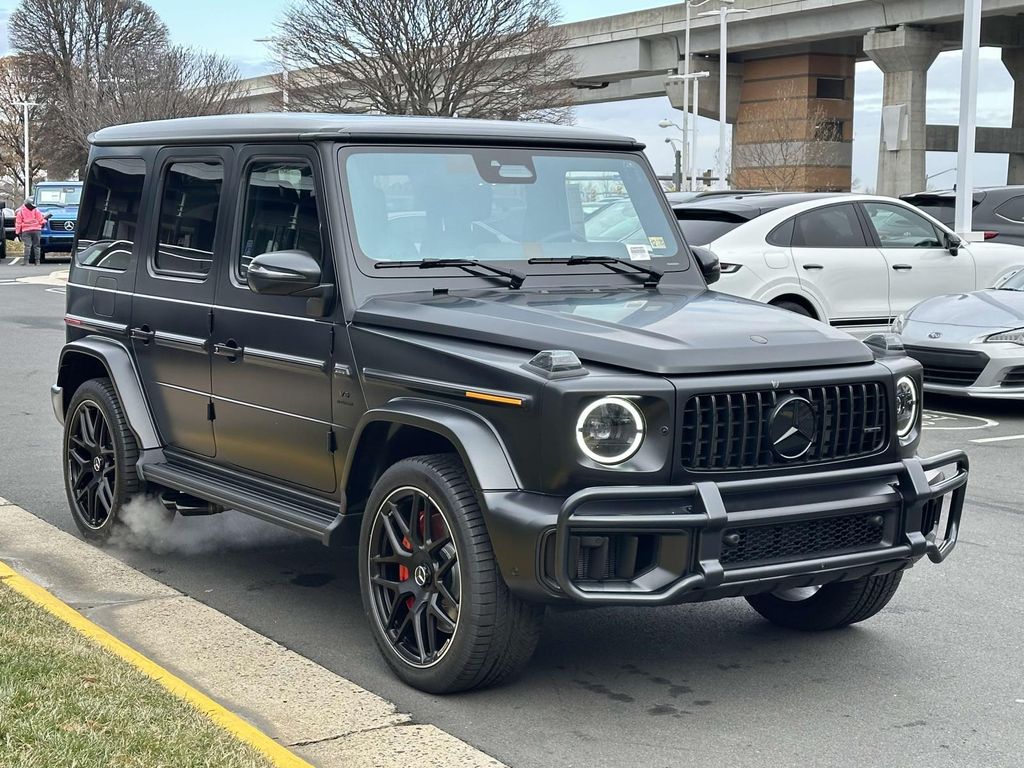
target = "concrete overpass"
x: 800, y: 53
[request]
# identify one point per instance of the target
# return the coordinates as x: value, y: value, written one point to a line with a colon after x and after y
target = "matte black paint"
x: 288, y: 409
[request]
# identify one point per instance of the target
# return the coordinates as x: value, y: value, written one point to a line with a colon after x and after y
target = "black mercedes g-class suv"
x: 484, y: 352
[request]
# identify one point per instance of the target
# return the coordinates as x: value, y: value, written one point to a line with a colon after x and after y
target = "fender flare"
x: 117, y: 360
x: 482, y: 451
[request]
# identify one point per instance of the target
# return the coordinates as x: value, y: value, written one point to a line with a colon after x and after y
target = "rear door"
x: 836, y: 262
x: 174, y: 293
x: 272, y: 362
x: 919, y: 265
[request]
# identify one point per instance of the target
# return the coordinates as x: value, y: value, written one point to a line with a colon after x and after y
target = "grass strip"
x: 65, y: 701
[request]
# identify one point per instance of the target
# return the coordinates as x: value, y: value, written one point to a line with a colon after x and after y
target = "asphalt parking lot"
x: 936, y: 679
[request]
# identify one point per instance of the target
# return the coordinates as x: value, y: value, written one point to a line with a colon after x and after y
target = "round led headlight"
x: 906, y: 406
x: 610, y: 430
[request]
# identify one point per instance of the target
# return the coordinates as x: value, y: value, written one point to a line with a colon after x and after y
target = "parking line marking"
x: 998, y: 439
x: 985, y: 423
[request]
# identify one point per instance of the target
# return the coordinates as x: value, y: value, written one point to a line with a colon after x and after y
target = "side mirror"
x: 283, y: 273
x: 952, y: 243
x: 709, y: 264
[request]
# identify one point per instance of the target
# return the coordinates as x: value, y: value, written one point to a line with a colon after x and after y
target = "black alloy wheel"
x: 100, y: 454
x: 92, y: 467
x: 414, y: 576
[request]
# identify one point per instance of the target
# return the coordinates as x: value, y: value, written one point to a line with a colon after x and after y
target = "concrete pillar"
x: 904, y: 55
x: 1013, y: 60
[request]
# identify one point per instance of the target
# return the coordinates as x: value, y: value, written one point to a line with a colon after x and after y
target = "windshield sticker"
x: 638, y: 252
x: 657, y: 243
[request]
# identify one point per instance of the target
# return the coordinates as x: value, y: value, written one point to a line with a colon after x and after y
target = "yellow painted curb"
x: 226, y: 719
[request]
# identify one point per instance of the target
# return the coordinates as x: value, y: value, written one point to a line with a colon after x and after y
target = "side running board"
x: 317, y: 520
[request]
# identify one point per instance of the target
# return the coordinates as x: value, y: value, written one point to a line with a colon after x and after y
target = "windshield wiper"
x: 613, y: 263
x: 515, y: 279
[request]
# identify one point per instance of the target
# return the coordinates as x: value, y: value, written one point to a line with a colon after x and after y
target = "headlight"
x: 610, y: 430
x: 1016, y: 336
x: 899, y: 323
x: 907, y: 404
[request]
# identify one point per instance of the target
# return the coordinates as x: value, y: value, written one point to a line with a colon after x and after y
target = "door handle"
x: 228, y: 349
x: 902, y: 267
x: 143, y: 334
x: 813, y: 266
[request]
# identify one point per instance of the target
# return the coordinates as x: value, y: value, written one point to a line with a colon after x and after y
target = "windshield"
x: 511, y: 205
x: 53, y: 195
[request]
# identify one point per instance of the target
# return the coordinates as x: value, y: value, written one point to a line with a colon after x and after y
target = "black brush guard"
x: 704, y: 516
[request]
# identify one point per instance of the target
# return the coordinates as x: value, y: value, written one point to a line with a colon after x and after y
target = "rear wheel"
x: 440, y: 612
x: 793, y: 306
x: 827, y: 607
x: 100, y: 453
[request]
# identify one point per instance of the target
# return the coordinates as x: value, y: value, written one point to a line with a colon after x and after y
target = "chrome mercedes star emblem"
x: 792, y: 427
x: 69, y: 226
x: 97, y: 464
x: 421, y: 575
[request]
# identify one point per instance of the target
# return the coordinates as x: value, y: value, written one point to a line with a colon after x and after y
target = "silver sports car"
x: 970, y: 343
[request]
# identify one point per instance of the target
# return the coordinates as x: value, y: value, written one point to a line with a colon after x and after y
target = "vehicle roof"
x: 299, y: 126
x: 754, y: 204
x: 53, y: 183
x: 1011, y: 189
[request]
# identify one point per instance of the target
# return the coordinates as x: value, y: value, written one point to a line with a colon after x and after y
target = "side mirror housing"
x: 952, y: 243
x: 283, y: 273
x: 709, y: 264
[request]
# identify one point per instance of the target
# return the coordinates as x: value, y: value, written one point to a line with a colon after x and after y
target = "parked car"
x: 970, y: 343
x: 855, y: 261
x: 998, y: 212
x: 500, y: 423
x: 58, y: 199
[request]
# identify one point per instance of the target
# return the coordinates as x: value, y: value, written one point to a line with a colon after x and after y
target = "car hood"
x: 979, y: 309
x: 663, y: 332
x: 61, y: 212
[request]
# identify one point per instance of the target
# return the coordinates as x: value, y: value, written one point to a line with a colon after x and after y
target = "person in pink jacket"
x: 28, y: 223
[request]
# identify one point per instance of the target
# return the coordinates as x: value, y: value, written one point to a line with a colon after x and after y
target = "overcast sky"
x: 229, y: 27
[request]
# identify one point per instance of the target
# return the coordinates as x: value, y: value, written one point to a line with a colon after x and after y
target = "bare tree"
x: 18, y: 84
x: 466, y: 58
x: 111, y: 61
x: 783, y: 139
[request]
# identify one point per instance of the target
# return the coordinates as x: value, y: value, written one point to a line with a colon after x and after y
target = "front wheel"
x: 439, y: 610
x: 827, y: 607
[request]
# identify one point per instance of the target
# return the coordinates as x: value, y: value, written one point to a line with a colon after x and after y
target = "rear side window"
x: 703, y: 227
x: 836, y: 226
x: 1012, y: 209
x: 109, y: 214
x: 280, y: 211
x: 189, y: 204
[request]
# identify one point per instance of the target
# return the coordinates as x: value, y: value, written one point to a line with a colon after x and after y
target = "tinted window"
x: 782, y: 235
x: 280, y: 211
x: 703, y: 227
x: 899, y: 227
x: 831, y: 88
x: 188, y: 218
x: 942, y: 209
x: 110, y: 212
x: 835, y: 226
x: 1012, y: 209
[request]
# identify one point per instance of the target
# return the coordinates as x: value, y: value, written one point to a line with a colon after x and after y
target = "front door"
x: 920, y: 267
x: 272, y: 362
x: 174, y: 294
x: 836, y: 262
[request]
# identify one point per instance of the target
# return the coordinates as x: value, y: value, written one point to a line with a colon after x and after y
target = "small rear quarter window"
x: 109, y: 214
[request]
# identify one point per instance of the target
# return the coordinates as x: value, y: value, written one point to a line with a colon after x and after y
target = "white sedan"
x: 855, y: 261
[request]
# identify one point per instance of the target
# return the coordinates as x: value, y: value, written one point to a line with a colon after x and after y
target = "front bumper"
x: 1000, y: 377
x: 694, y: 524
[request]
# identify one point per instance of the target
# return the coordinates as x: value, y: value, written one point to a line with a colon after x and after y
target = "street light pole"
x: 28, y: 179
x: 964, y: 215
x: 284, y: 74
x: 723, y: 84
x: 696, y: 110
x: 688, y: 148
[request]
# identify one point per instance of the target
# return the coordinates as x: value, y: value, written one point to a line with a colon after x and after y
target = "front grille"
x: 811, y: 538
x: 950, y: 367
x: 731, y: 431
x: 1014, y: 377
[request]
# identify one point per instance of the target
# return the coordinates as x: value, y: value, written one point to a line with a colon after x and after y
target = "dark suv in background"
x: 400, y: 332
x: 998, y: 211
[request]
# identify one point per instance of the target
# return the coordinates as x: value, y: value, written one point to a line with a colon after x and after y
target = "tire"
x: 99, y: 462
x: 416, y: 587
x: 794, y: 307
x: 829, y: 607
